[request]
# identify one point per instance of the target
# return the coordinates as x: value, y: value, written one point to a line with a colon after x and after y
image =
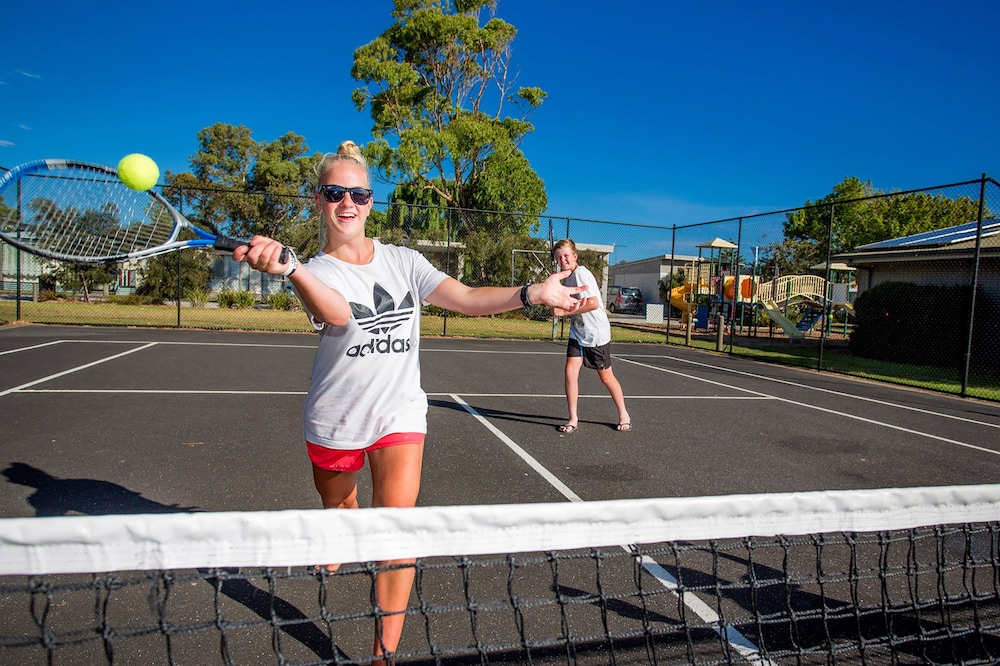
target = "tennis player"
x: 589, y: 338
x: 365, y: 398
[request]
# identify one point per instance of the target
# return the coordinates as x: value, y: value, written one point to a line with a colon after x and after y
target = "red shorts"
x: 352, y: 460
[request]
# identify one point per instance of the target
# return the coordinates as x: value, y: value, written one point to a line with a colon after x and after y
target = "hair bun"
x: 351, y: 150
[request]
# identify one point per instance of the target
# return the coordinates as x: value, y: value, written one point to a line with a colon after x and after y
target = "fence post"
x: 179, y: 288
x: 552, y: 269
x: 17, y: 254
x: 447, y: 226
x: 670, y: 286
x: 975, y: 286
x: 17, y: 295
x: 826, y: 297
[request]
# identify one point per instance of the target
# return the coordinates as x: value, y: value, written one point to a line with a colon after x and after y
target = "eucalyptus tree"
x: 449, y: 118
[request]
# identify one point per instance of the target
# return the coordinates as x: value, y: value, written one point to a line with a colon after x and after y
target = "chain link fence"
x: 831, y: 286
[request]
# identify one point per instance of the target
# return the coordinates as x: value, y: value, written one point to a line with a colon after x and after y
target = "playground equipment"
x: 710, y: 289
x: 679, y: 296
x: 678, y: 299
x: 779, y: 318
x: 773, y: 296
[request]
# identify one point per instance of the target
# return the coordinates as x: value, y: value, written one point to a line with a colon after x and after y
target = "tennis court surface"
x: 157, y: 507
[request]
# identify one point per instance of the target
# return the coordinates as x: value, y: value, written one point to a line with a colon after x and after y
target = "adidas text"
x: 383, y: 346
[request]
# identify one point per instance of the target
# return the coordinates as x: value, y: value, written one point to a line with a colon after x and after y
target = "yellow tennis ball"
x: 138, y: 171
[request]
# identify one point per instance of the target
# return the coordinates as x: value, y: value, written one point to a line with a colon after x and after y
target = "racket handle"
x: 228, y: 244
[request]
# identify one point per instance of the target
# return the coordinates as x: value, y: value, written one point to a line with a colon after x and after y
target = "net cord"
x: 80, y: 544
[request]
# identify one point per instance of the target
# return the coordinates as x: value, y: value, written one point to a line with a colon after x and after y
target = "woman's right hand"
x: 262, y: 254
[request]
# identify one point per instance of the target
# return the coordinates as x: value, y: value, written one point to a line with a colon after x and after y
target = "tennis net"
x: 874, y: 576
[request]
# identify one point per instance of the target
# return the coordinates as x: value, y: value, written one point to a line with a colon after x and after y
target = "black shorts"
x: 597, y: 358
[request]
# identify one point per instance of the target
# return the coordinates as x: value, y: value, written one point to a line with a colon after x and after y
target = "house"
x: 645, y: 274
x: 944, y: 257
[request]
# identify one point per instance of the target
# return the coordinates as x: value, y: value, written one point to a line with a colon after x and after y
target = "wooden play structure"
x: 710, y: 289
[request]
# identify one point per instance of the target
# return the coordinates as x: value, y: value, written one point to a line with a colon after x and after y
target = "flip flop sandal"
x: 624, y: 427
x: 567, y: 429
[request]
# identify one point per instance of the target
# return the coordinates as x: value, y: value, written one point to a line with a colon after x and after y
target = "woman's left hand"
x: 553, y: 293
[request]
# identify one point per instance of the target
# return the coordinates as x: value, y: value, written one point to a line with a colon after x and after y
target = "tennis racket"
x: 83, y: 214
x: 552, y: 245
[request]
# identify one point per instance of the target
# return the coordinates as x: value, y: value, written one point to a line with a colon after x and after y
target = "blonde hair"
x: 565, y: 242
x: 347, y: 152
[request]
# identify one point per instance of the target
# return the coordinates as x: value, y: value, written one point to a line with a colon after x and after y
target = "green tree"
x: 158, y: 275
x: 242, y: 187
x: 862, y: 214
x: 439, y: 87
x: 83, y: 278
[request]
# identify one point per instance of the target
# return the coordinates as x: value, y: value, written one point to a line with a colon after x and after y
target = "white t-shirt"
x: 590, y: 329
x: 366, y: 374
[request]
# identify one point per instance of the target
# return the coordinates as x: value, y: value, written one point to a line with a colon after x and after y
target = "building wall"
x: 931, y: 272
x: 645, y: 274
x: 943, y: 272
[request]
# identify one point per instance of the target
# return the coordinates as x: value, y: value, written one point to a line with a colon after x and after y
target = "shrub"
x: 281, y: 300
x: 241, y: 300
x: 198, y: 297
x: 903, y: 322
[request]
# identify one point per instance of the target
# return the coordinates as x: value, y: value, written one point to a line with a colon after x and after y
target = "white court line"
x: 76, y: 369
x: 884, y: 403
x: 817, y: 408
x: 524, y: 455
x: 491, y: 352
x: 191, y: 344
x: 161, y: 391
x: 739, y: 642
x: 738, y: 372
x: 38, y: 346
x: 604, y: 396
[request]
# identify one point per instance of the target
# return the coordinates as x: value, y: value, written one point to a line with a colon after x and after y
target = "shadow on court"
x: 91, y: 497
x: 54, y: 496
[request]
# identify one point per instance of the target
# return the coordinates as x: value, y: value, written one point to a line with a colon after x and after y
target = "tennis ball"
x: 138, y: 171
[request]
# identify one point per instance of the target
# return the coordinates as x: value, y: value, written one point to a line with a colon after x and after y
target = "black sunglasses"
x: 336, y: 193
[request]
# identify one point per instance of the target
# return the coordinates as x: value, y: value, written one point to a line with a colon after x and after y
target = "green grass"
x: 159, y: 316
x: 942, y: 380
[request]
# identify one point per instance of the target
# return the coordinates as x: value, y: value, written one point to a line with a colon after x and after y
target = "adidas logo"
x: 386, y: 317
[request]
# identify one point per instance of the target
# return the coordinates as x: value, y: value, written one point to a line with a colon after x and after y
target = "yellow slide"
x: 677, y: 300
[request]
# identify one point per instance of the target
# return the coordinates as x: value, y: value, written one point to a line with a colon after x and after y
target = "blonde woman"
x: 365, y: 398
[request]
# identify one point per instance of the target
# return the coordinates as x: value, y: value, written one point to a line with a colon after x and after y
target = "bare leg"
x: 395, y: 483
x: 573, y: 365
x: 615, y: 389
x: 337, y: 490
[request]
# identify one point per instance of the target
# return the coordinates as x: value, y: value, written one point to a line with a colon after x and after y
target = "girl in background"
x: 589, y: 338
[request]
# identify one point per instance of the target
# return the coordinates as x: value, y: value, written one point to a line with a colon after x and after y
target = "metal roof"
x: 938, y: 237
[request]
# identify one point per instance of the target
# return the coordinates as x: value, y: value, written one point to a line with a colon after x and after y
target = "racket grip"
x: 228, y: 244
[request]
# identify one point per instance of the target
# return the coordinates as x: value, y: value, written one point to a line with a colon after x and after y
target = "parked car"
x: 624, y: 299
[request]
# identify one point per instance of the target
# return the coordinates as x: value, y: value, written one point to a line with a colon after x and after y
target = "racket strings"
x: 79, y: 213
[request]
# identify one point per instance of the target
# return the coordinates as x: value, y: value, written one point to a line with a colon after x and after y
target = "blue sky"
x: 658, y: 112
